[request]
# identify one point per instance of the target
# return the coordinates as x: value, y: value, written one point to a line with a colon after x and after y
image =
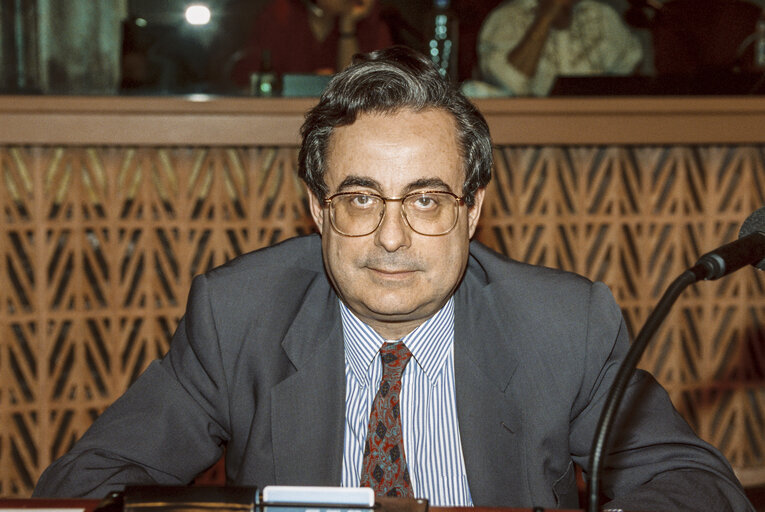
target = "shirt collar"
x: 430, y: 343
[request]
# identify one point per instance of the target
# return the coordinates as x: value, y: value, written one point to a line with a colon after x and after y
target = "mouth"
x: 392, y: 274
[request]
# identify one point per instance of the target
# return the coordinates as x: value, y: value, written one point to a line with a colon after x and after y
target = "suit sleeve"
x: 655, y: 461
x: 170, y: 425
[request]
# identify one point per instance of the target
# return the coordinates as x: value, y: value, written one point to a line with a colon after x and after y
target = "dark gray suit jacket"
x: 256, y: 366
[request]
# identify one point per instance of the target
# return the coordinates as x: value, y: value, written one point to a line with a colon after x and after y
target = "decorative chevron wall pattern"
x: 98, y: 247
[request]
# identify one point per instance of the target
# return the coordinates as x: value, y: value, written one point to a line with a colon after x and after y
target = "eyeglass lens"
x: 431, y: 213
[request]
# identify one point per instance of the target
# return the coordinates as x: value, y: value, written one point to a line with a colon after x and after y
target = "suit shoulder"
x: 290, y: 256
x: 497, y: 269
x: 267, y: 287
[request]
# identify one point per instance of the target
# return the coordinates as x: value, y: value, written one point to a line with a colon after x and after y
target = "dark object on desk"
x: 156, y: 498
x: 188, y: 499
x: 114, y: 502
x: 722, y: 83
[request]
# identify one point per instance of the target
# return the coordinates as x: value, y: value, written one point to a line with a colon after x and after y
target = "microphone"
x: 749, y: 249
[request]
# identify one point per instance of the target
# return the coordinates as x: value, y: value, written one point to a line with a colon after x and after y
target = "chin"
x: 401, y: 308
x: 388, y: 305
x: 391, y: 309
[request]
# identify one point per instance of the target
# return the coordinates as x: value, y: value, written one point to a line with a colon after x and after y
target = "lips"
x: 387, y: 273
x: 391, y: 272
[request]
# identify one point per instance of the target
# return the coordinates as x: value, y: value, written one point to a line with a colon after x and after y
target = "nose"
x: 393, y: 233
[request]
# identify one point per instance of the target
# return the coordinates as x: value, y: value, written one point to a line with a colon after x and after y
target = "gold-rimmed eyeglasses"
x: 429, y: 212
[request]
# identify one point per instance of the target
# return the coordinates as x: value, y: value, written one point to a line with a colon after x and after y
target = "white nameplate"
x: 315, y: 495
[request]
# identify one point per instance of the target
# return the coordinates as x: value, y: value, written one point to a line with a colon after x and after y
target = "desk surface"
x: 89, y: 505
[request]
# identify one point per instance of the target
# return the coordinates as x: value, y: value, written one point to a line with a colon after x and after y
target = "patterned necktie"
x: 384, y: 465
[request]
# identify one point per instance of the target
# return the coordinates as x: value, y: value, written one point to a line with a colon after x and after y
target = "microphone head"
x: 754, y: 223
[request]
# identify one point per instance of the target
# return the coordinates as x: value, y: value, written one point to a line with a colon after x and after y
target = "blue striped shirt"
x: 428, y: 406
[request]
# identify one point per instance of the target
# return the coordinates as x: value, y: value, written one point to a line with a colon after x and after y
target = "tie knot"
x: 394, y: 358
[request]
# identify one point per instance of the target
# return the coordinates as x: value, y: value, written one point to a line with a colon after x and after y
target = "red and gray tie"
x: 384, y: 466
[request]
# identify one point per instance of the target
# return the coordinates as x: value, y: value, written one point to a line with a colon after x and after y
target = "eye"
x: 361, y: 201
x: 424, y: 202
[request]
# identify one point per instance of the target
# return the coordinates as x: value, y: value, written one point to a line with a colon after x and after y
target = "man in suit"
x: 505, y: 365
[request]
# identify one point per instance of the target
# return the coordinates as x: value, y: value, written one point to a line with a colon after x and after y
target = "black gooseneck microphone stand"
x: 748, y: 249
x: 623, y: 376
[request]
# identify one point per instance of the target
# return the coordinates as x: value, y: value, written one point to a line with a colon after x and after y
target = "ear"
x: 317, y: 212
x: 474, y: 212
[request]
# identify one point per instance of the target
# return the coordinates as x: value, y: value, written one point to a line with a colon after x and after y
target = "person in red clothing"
x: 311, y: 36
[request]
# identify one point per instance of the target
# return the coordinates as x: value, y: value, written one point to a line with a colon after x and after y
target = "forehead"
x: 396, y: 149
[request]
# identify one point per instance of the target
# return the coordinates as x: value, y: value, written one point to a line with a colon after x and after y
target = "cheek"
x: 341, y: 257
x: 446, y: 263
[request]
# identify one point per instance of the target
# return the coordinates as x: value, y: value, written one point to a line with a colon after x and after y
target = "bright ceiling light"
x: 198, y: 14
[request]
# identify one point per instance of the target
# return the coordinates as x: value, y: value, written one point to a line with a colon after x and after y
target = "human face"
x: 395, y: 279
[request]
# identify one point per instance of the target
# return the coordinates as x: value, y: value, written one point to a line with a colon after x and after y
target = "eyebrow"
x: 358, y: 181
x: 422, y: 183
x: 429, y: 183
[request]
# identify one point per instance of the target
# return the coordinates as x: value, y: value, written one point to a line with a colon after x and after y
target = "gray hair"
x: 387, y: 81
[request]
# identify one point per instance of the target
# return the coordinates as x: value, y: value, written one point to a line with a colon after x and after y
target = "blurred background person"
x: 524, y: 45
x: 310, y: 36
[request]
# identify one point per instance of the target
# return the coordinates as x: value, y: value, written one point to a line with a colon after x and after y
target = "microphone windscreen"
x: 754, y: 223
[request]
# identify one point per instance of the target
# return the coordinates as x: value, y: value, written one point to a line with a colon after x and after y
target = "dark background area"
x: 207, y: 52
x: 145, y: 47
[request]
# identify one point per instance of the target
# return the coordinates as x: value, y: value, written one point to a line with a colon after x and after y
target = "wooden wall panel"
x: 97, y: 248
x: 99, y: 242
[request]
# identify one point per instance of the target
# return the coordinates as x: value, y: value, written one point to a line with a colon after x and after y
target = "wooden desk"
x: 89, y: 505
x: 32, y: 504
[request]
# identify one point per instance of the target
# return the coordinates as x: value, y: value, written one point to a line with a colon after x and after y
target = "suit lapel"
x: 308, y: 407
x: 490, y: 416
